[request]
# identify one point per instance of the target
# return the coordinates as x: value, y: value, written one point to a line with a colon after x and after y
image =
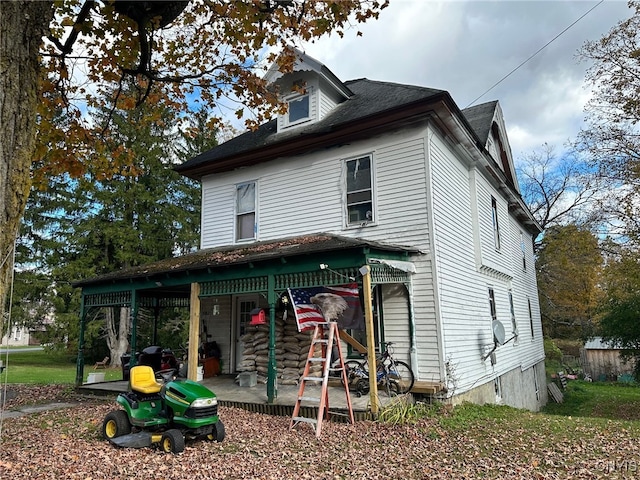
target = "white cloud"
x: 465, y: 47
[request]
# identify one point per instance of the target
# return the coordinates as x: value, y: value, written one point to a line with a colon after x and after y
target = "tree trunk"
x: 118, y: 334
x: 22, y: 27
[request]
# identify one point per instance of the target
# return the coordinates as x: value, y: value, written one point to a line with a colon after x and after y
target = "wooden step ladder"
x: 326, y: 335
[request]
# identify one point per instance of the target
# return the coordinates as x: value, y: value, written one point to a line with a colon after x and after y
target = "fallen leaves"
x: 67, y: 444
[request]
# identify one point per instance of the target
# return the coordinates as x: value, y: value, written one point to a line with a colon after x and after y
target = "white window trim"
x: 495, y: 224
x: 493, y: 307
x: 531, y: 326
x: 296, y: 96
x: 514, y: 320
x: 345, y: 207
x: 523, y: 248
x: 255, y: 213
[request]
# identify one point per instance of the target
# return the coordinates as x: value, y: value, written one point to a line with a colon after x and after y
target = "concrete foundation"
x: 517, y: 388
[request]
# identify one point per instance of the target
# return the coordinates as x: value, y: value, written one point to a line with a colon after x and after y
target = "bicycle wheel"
x: 401, y: 375
x: 353, y: 368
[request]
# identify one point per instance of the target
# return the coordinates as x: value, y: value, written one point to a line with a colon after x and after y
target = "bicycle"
x: 395, y: 376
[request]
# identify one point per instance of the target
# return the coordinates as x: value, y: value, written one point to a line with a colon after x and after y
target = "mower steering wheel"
x: 166, y: 375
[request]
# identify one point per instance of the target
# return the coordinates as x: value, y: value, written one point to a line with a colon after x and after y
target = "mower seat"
x: 143, y: 380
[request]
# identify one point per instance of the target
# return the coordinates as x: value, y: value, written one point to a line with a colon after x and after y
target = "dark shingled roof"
x: 480, y: 118
x: 244, y: 254
x: 370, y: 98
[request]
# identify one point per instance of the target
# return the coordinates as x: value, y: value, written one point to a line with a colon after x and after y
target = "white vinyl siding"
x: 218, y: 214
x: 464, y: 312
x: 396, y: 322
x: 412, y: 170
x: 492, y: 257
x: 326, y: 104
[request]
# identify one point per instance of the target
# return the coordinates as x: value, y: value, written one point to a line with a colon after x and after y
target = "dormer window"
x: 299, y: 109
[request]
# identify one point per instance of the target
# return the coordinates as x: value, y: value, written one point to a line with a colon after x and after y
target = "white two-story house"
x: 364, y: 172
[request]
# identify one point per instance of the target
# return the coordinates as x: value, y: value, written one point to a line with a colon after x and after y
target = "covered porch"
x: 221, y: 286
x: 255, y: 399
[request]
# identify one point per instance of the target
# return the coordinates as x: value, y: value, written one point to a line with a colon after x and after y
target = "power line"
x: 536, y: 53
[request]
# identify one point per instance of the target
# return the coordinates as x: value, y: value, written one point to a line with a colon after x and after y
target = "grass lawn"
x: 599, y: 400
x: 44, y: 367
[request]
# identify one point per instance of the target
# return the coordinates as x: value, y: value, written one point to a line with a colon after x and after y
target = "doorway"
x: 242, y: 316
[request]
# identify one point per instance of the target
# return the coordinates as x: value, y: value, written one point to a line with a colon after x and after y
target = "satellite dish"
x: 498, y: 332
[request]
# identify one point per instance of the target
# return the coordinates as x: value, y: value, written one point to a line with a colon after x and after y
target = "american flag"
x: 309, y: 315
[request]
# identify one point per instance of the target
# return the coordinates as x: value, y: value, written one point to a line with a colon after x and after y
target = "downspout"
x: 272, y: 386
x: 134, y: 327
x: 80, y: 359
x: 413, y: 341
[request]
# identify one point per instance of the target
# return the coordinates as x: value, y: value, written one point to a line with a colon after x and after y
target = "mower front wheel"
x: 218, y: 433
x: 172, y: 441
x: 116, y: 424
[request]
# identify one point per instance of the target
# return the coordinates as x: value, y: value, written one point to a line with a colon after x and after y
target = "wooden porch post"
x: 194, y: 332
x: 80, y: 359
x: 371, y: 350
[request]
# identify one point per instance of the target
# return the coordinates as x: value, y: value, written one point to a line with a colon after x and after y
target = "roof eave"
x: 333, y: 134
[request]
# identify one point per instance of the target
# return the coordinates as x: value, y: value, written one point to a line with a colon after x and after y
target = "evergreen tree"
x: 138, y: 212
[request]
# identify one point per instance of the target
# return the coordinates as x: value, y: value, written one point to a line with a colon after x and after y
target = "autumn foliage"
x: 204, y: 52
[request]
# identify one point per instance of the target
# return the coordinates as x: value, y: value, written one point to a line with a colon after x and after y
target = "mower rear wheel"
x: 172, y: 441
x: 218, y: 433
x: 116, y: 424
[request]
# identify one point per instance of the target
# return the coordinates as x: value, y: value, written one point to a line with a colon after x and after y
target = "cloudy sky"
x: 465, y: 47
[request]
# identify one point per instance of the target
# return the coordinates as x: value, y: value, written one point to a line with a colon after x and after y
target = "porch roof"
x: 236, y: 255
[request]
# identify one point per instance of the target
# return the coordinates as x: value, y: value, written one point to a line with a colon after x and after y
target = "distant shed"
x: 602, y: 360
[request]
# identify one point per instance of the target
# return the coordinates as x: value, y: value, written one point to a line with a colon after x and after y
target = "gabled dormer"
x: 487, y: 121
x: 311, y: 91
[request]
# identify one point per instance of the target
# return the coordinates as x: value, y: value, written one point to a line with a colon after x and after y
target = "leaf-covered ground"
x: 469, y: 443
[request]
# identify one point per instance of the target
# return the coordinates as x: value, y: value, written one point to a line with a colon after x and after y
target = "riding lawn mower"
x: 163, y: 414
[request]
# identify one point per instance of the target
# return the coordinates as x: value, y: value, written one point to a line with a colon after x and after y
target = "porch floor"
x: 254, y: 398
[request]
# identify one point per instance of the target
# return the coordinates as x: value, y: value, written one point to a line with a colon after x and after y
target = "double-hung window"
x: 530, y: 319
x: 514, y: 322
x: 245, y: 211
x: 492, y: 305
x: 359, y: 191
x: 496, y: 226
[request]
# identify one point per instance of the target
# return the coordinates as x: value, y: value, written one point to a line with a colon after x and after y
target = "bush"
x: 551, y: 350
x: 568, y: 346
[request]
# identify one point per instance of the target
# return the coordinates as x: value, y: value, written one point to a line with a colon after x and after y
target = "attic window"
x: 298, y: 109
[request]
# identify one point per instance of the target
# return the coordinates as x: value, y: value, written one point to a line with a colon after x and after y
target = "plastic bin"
x: 248, y: 379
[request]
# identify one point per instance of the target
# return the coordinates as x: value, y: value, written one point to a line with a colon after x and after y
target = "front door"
x: 243, y: 306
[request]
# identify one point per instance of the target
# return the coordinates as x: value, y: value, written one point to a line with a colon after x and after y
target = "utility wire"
x: 536, y: 53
